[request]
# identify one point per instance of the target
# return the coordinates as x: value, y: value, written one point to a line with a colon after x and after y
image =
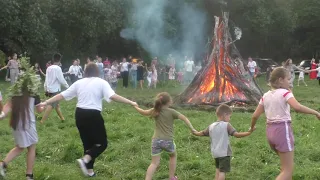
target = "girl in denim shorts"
x: 162, y: 139
x: 276, y: 105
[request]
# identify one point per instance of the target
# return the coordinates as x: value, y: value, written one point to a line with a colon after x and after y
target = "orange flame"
x: 226, y: 90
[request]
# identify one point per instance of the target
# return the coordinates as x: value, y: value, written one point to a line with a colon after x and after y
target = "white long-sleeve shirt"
x: 74, y: 70
x: 54, y: 79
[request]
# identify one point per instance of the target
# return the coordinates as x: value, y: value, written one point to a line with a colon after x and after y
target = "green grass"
x: 129, y: 135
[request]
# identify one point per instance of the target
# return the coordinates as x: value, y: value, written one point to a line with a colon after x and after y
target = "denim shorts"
x: 54, y: 105
x: 160, y: 145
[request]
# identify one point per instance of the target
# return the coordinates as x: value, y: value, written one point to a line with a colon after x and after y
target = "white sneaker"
x: 2, y: 170
x: 83, y: 167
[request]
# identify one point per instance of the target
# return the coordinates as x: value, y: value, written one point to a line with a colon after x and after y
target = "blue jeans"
x: 133, y: 75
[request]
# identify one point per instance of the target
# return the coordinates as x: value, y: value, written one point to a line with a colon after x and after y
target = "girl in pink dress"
x: 180, y: 76
x: 154, y: 76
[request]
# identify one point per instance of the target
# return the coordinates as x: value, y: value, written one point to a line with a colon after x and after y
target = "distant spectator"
x: 252, y: 65
x: 106, y: 62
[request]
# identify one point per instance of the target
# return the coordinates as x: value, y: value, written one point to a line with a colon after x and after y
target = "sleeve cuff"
x: 108, y: 99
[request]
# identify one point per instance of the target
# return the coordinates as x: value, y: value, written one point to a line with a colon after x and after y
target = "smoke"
x: 150, y: 21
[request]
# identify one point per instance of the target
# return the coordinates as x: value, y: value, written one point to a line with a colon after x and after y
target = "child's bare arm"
x: 241, y: 134
x: 255, y: 116
x: 6, y: 110
x: 201, y: 133
x: 186, y: 120
x: 301, y: 108
x: 144, y: 112
x: 236, y: 134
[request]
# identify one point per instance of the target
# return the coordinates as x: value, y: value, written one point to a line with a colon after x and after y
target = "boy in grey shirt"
x: 219, y: 133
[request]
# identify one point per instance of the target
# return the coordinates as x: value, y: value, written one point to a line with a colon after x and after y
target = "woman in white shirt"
x: 124, y: 69
x: 89, y: 92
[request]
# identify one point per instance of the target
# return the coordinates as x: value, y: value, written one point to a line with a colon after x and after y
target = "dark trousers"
x: 125, y: 76
x: 92, y: 132
x: 73, y: 78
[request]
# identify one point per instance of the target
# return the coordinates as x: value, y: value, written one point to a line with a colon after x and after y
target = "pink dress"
x: 154, y: 76
x: 180, y: 76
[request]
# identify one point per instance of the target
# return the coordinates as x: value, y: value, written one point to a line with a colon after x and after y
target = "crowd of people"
x: 314, y: 72
x: 92, y: 87
x: 134, y: 71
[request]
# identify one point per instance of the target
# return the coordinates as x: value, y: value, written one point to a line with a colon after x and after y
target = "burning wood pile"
x: 223, y: 79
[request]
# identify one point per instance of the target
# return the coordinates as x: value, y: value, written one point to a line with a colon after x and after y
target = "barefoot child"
x: 149, y: 76
x: 162, y: 139
x: 276, y: 106
x: 301, y: 78
x: 24, y: 98
x: 219, y: 133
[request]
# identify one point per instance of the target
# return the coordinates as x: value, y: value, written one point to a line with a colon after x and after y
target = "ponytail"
x: 157, y: 107
x: 162, y: 99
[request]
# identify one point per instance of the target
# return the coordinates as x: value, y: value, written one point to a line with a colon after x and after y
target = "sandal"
x: 3, y: 169
x: 29, y: 176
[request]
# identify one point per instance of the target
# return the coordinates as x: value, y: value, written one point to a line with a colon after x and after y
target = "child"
x: 180, y: 76
x: 172, y: 73
x: 22, y: 103
x: 219, y: 133
x: 154, y: 76
x: 276, y: 105
x: 114, y: 75
x: 149, y: 76
x: 301, y: 78
x: 162, y: 139
x: 107, y: 73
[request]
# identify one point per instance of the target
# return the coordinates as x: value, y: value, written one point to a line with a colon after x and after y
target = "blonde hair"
x: 276, y: 74
x: 223, y: 109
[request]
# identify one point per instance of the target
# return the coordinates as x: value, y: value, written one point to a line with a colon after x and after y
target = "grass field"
x: 129, y: 135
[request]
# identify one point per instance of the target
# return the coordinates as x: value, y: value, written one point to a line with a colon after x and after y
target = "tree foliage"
x: 78, y: 28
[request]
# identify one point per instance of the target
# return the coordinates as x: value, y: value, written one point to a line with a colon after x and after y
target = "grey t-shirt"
x: 219, y: 135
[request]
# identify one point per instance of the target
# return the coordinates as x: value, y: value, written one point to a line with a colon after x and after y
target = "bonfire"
x: 225, y: 79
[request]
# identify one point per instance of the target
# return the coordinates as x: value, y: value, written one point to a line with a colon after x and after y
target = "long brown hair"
x: 20, y: 109
x: 162, y: 99
x: 276, y: 74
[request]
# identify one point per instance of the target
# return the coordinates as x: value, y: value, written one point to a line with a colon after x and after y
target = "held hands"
x: 197, y: 133
x: 134, y: 104
x: 252, y: 129
x: 42, y: 104
x: 318, y: 116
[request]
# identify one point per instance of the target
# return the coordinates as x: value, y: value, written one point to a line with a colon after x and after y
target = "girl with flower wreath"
x: 22, y: 102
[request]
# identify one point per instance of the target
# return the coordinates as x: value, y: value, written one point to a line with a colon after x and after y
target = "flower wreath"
x: 26, y: 79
